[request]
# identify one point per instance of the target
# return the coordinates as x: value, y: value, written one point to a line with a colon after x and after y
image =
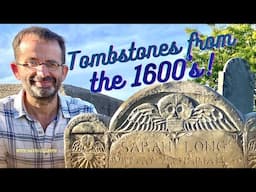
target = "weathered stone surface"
x: 172, y: 125
x: 250, y: 126
x: 158, y: 150
x: 236, y: 83
x: 85, y: 142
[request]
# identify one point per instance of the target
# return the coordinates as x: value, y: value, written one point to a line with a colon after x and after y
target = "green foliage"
x: 245, y: 48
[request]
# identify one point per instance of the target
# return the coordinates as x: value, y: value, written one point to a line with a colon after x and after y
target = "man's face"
x: 39, y: 82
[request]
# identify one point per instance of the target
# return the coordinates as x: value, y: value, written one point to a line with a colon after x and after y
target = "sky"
x: 85, y: 40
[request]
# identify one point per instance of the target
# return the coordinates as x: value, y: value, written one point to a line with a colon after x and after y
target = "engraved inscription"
x: 158, y: 150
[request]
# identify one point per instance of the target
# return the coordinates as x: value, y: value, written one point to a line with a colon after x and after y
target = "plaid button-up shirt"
x: 23, y: 141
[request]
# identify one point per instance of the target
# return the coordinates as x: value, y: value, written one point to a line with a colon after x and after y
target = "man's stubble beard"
x: 43, y: 94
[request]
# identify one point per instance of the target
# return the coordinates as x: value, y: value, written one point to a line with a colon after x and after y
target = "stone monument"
x: 236, y: 83
x: 171, y: 125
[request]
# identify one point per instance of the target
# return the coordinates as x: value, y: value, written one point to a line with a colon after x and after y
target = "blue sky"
x: 97, y: 38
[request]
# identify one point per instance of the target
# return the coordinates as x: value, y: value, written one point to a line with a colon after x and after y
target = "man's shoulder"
x: 7, y: 100
x: 76, y: 103
x: 73, y: 100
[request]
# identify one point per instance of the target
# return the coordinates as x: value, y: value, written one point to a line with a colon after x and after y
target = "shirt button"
x: 40, y: 132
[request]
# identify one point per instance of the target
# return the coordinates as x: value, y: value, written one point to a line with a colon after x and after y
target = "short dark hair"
x: 42, y: 33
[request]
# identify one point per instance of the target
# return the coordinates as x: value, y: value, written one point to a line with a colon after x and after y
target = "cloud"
x: 97, y: 38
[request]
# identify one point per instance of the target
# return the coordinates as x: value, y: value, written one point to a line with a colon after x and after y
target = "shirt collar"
x: 20, y: 107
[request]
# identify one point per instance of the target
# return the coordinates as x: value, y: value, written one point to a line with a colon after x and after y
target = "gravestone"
x: 250, y: 125
x: 236, y: 83
x: 172, y: 125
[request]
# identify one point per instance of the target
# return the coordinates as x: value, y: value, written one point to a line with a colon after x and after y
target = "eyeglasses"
x: 51, y: 65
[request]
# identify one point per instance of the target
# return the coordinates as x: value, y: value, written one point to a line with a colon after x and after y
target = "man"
x: 32, y: 122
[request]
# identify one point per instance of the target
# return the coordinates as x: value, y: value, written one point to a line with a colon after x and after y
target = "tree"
x: 245, y: 48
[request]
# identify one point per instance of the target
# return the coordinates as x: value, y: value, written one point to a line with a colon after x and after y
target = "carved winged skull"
x: 176, y: 113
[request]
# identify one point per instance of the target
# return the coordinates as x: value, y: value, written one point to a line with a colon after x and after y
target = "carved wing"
x: 208, y: 117
x: 144, y: 117
x: 77, y: 147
